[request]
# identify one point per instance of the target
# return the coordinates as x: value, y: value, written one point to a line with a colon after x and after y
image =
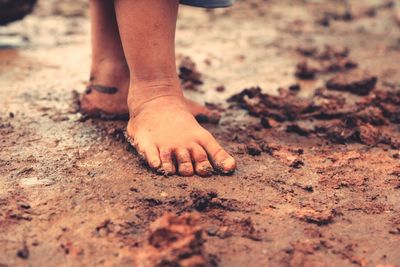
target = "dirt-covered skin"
x: 74, y: 193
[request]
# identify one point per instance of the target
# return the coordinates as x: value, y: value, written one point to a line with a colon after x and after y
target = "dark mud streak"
x: 101, y: 89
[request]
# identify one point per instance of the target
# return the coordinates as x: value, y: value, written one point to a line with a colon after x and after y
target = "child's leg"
x: 161, y: 127
x: 109, y: 67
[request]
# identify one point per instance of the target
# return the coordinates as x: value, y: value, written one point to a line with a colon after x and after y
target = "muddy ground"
x: 73, y: 193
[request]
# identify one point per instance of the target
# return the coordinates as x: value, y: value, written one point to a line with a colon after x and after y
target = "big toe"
x: 152, y: 157
x: 167, y: 165
x: 225, y: 163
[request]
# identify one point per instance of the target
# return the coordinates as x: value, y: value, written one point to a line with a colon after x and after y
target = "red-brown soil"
x: 316, y: 140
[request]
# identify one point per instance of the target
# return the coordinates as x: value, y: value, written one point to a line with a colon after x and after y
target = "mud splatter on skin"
x: 101, y: 89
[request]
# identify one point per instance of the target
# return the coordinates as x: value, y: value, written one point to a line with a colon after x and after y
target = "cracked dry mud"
x: 318, y: 180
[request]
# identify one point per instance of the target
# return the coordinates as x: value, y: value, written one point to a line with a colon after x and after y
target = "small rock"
x: 316, y: 217
x: 395, y: 231
x: 296, y: 163
x: 305, y: 71
x: 220, y: 88
x: 189, y: 74
x: 253, y: 149
x: 25, y: 206
x: 212, y: 230
x: 23, y: 253
x: 134, y: 189
x: 294, y: 87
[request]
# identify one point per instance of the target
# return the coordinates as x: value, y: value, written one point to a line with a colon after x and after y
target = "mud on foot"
x: 109, y: 102
x: 105, y: 96
x: 166, y: 134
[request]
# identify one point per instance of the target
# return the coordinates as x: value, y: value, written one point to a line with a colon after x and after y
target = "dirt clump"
x: 356, y: 82
x: 253, y: 149
x: 328, y: 52
x: 220, y: 88
x: 284, y: 107
x: 248, y: 229
x: 323, y: 217
x: 351, y: 13
x: 326, y: 115
x: 327, y: 17
x: 316, y: 61
x: 296, y: 163
x: 243, y: 227
x: 190, y: 77
x: 202, y: 201
x: 23, y: 253
x: 175, y: 241
x: 305, y: 71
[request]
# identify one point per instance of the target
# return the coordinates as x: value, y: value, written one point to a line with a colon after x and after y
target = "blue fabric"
x: 208, y: 3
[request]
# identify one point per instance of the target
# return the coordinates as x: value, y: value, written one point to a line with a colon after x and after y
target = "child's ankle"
x: 144, y: 91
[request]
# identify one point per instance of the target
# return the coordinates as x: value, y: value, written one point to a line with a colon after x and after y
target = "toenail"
x: 168, y: 168
x: 164, y: 171
x: 227, y: 166
x: 205, y: 170
x: 155, y: 163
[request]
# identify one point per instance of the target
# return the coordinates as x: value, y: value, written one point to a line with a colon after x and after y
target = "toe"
x: 184, y: 162
x: 152, y: 157
x: 222, y: 161
x: 167, y: 165
x: 201, y: 164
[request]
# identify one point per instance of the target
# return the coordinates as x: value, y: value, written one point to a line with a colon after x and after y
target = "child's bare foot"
x: 107, y: 92
x: 166, y: 134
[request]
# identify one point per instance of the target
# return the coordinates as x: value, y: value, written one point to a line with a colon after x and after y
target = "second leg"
x: 107, y: 90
